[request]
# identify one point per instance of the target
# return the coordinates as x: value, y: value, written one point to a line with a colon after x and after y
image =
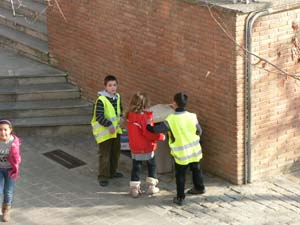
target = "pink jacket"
x: 14, y: 158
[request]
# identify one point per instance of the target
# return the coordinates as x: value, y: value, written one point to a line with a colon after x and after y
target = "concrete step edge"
x: 40, y: 75
x: 27, y: 52
x: 44, y: 2
x: 24, y: 39
x: 22, y: 21
x: 25, y: 29
x: 38, y: 88
x: 45, y: 104
x: 52, y: 121
x: 28, y: 8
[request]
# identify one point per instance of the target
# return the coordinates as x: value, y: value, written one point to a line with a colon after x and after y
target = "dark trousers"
x: 136, y: 169
x: 109, y: 154
x: 180, y: 171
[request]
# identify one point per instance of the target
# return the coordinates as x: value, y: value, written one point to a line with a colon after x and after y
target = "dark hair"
x: 109, y: 78
x: 5, y: 121
x: 181, y: 99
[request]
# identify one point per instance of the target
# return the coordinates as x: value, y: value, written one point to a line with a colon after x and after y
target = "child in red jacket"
x: 142, y: 143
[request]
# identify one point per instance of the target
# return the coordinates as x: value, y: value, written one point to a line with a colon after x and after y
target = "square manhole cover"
x: 64, y: 159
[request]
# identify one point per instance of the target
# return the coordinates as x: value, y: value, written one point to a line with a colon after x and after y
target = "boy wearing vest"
x: 184, y: 133
x: 106, y: 129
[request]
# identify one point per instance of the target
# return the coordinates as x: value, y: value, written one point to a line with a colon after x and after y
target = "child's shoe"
x: 135, y: 188
x: 103, y: 183
x: 152, y: 182
x: 194, y: 191
x: 5, y: 212
x: 118, y: 175
x: 178, y: 201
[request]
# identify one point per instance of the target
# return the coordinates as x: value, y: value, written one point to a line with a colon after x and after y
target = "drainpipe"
x: 248, y: 81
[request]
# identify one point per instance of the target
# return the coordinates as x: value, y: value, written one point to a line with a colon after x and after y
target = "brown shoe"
x: 5, y: 212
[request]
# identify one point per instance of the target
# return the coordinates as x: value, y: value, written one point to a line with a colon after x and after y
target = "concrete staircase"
x: 34, y: 95
x: 27, y: 31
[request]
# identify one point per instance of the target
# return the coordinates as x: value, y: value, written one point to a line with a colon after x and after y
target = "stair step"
x: 25, y: 80
x: 51, y: 121
x: 38, y: 92
x: 22, y: 109
x: 44, y: 2
x: 51, y: 126
x: 36, y: 29
x: 15, y: 65
x: 24, y: 44
x: 32, y: 10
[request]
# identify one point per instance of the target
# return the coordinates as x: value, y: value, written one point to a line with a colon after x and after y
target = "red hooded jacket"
x: 140, y: 139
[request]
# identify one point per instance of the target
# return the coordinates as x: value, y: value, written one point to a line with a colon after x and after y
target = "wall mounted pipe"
x: 251, y: 19
x: 248, y: 81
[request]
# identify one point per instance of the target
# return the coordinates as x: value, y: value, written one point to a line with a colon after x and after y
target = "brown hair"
x: 109, y: 78
x: 138, y: 103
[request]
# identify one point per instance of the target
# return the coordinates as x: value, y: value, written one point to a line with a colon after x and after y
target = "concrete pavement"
x: 48, y: 193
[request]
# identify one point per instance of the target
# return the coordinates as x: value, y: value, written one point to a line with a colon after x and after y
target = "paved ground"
x: 48, y: 193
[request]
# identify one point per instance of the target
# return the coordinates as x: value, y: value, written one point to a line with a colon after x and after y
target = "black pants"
x: 136, y: 169
x: 109, y: 157
x: 180, y: 171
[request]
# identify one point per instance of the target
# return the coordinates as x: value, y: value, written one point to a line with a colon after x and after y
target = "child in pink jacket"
x: 9, y: 165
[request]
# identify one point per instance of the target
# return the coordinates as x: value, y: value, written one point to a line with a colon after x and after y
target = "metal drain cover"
x: 64, y: 159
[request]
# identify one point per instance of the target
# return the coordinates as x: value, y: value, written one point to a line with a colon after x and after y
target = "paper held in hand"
x: 160, y: 112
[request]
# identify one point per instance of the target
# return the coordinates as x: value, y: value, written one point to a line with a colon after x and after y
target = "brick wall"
x: 275, y: 98
x: 160, y: 47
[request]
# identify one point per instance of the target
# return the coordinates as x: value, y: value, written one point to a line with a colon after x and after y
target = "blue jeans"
x: 136, y: 169
x: 7, y: 185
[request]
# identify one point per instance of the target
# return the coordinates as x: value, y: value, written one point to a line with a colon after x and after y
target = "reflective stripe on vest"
x: 100, y: 132
x: 188, y: 157
x: 98, y: 125
x: 186, y: 147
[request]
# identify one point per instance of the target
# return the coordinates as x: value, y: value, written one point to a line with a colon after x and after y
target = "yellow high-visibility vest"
x: 100, y: 132
x: 186, y: 147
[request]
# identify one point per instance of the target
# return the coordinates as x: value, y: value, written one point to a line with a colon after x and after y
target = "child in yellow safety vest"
x: 106, y: 129
x: 184, y: 133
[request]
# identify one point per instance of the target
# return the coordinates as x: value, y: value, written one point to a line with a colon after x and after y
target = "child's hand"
x: 112, y: 129
x: 162, y: 137
x: 150, y: 122
x: 123, y: 122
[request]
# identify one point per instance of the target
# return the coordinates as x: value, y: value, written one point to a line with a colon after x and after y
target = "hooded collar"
x: 106, y: 94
